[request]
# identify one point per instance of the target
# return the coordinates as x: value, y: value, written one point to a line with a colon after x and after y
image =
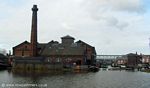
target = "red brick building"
x: 67, y: 51
x: 26, y: 48
x: 23, y: 49
x: 133, y: 60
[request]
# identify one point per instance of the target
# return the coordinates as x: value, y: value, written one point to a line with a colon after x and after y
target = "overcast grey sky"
x: 112, y: 26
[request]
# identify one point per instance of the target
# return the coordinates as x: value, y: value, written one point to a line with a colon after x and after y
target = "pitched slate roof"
x: 25, y: 42
x: 83, y: 43
x: 67, y: 37
x: 59, y: 49
x: 56, y: 48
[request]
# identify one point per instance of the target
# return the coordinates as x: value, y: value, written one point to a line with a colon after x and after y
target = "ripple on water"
x: 101, y: 79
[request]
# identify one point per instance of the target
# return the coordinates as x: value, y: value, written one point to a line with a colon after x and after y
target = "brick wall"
x: 22, y: 50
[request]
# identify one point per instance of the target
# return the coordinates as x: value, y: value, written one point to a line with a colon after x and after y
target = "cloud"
x: 114, y: 22
x: 128, y: 5
x: 122, y: 5
x: 105, y: 24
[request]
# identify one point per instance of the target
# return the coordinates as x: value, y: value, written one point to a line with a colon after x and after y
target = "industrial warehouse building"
x: 66, y: 52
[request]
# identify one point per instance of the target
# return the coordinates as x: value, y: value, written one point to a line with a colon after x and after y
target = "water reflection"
x: 101, y: 79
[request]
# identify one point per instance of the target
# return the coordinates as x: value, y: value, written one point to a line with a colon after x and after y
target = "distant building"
x: 67, y: 52
x: 121, y: 60
x: 146, y: 59
x: 3, y: 59
x: 133, y: 60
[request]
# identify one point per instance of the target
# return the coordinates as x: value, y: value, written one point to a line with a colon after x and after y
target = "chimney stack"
x: 34, y: 31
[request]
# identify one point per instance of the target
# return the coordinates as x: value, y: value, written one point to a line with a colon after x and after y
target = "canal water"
x: 101, y: 79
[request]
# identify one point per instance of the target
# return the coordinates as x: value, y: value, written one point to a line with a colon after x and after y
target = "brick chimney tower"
x: 34, y: 31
